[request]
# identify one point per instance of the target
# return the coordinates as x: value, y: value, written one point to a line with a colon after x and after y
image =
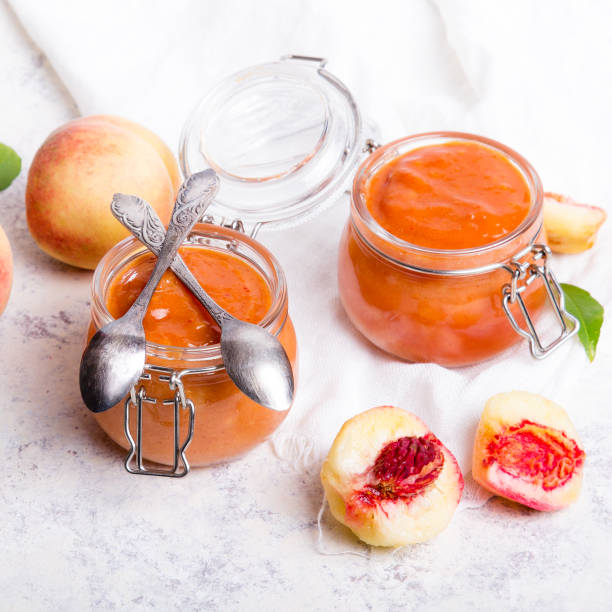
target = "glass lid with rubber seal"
x: 284, y: 137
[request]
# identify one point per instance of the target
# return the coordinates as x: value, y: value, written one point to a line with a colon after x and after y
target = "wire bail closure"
x: 523, y: 274
x: 134, y: 463
x: 234, y: 224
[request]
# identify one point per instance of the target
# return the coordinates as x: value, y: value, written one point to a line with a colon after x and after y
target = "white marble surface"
x: 79, y: 533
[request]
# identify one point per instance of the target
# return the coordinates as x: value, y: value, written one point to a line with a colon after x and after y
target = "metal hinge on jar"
x: 134, y: 462
x: 319, y: 61
x: 370, y: 146
x: 524, y: 273
x: 234, y: 224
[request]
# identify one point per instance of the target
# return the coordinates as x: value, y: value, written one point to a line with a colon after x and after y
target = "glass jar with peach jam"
x: 185, y: 384
x: 443, y: 257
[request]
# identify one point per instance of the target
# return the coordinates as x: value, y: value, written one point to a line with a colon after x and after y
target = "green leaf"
x: 589, y: 312
x: 10, y: 166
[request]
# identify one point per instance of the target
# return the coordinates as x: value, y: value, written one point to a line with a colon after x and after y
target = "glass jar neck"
x: 438, y: 261
x: 205, y: 236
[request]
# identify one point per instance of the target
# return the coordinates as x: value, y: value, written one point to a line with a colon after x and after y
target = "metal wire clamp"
x: 134, y: 461
x: 523, y: 274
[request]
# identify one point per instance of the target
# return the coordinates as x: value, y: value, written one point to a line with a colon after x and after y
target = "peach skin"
x: 74, y: 175
x: 6, y: 270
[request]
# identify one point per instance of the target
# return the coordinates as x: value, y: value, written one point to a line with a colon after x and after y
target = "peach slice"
x: 570, y: 227
x: 389, y: 479
x: 526, y: 449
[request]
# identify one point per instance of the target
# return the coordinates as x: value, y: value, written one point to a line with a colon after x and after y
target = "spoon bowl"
x: 257, y: 363
x: 117, y: 355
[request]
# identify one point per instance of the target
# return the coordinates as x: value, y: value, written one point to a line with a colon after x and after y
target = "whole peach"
x: 74, y: 175
x: 6, y: 270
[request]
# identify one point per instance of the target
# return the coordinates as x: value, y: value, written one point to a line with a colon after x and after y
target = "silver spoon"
x: 115, y: 356
x: 254, y: 359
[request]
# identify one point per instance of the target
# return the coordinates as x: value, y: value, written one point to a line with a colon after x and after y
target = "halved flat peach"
x: 527, y: 450
x: 389, y: 479
x: 570, y: 227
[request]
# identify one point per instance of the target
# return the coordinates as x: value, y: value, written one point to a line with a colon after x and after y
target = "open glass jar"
x: 451, y: 307
x: 185, y: 401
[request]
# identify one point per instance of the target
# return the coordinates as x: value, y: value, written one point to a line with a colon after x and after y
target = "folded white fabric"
x: 526, y: 74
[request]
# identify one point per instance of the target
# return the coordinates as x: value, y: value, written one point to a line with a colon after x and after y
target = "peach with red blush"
x: 526, y: 449
x: 389, y: 479
x: 74, y: 175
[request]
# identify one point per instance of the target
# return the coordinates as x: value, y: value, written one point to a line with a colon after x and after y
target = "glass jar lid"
x: 284, y: 137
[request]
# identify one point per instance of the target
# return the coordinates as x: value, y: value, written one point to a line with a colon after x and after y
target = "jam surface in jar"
x: 174, y: 316
x: 227, y: 423
x: 455, y: 195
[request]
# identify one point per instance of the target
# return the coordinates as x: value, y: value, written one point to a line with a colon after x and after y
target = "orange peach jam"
x: 175, y: 317
x: 227, y: 423
x: 421, y: 261
x: 455, y: 195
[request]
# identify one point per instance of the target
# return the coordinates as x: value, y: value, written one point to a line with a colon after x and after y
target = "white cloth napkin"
x: 528, y: 74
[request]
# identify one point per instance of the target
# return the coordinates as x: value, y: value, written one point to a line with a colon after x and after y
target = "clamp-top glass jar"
x: 185, y: 403
x: 453, y: 307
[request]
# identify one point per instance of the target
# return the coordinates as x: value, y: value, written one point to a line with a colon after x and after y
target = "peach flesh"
x: 6, y: 270
x: 389, y: 479
x: 531, y: 462
x: 403, y: 469
x: 570, y: 227
x: 72, y: 180
x: 541, y: 454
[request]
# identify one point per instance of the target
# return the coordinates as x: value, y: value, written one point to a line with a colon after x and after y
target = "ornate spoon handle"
x: 193, y: 198
x: 140, y: 218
